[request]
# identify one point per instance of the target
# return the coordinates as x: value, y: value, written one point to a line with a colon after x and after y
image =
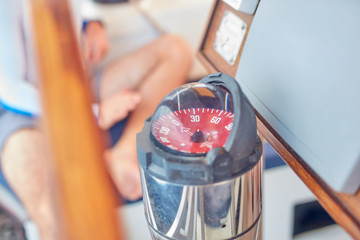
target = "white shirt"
x: 18, y: 78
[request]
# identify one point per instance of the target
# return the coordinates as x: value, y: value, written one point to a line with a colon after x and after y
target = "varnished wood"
x: 207, y: 54
x: 343, y: 208
x: 87, y: 200
x: 210, y: 68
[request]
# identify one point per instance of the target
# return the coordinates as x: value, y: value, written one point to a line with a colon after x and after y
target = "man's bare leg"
x: 153, y: 71
x: 26, y: 167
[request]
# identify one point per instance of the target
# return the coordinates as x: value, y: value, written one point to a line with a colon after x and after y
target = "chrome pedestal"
x: 226, y: 210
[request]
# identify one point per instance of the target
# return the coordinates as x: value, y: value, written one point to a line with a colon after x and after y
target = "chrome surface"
x: 227, y: 210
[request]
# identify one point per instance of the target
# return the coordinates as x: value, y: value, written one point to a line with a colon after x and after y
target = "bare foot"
x: 124, y: 169
x: 117, y: 107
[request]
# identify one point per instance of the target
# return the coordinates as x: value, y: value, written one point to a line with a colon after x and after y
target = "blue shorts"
x: 11, y: 122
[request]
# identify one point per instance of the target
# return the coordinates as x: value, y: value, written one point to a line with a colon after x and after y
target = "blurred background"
x: 290, y: 210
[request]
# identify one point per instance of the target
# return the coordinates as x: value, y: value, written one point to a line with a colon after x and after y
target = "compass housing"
x: 201, y: 133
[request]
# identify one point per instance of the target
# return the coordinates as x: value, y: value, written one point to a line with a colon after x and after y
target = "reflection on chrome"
x: 227, y: 210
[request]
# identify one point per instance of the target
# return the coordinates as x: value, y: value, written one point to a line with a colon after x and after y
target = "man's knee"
x: 177, y: 47
x: 19, y: 149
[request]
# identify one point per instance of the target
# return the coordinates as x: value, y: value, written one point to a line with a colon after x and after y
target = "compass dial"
x: 193, y: 130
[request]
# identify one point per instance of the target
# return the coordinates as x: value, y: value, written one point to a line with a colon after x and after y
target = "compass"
x: 194, y: 153
x: 209, y: 125
x: 194, y: 130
